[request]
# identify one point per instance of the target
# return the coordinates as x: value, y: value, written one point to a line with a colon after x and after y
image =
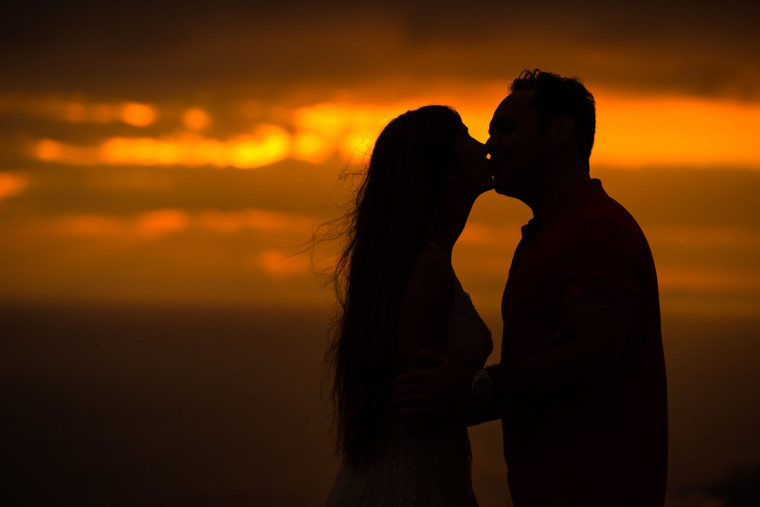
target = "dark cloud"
x: 154, y: 50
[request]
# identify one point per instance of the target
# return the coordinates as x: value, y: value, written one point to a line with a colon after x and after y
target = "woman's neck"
x: 456, y: 210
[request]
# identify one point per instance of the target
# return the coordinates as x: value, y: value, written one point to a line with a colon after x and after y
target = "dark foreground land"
x: 125, y: 406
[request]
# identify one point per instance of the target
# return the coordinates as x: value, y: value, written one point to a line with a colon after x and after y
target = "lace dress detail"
x: 430, y: 470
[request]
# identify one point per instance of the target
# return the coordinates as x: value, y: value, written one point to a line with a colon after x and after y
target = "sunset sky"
x: 158, y: 153
x: 179, y: 156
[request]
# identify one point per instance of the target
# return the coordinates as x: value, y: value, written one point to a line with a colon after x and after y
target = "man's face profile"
x: 517, y: 144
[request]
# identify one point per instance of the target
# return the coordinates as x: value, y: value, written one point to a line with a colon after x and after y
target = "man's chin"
x: 504, y: 189
x: 500, y: 190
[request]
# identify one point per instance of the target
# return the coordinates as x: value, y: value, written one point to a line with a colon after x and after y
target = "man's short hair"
x: 559, y: 96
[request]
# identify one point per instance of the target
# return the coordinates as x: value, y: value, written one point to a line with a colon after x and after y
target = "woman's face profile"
x: 471, y: 165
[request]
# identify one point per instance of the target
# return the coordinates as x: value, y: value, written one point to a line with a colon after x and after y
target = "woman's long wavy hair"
x: 398, y: 202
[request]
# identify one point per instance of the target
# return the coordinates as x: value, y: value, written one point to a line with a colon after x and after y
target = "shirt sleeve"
x: 602, y: 267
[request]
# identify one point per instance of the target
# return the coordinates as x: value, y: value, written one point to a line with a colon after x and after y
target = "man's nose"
x: 489, y: 146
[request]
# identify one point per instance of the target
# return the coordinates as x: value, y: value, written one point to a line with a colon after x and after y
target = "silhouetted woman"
x: 398, y: 292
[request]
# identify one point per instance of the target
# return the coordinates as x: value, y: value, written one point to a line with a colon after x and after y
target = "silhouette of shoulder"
x: 605, y: 212
x: 608, y: 257
x: 609, y: 220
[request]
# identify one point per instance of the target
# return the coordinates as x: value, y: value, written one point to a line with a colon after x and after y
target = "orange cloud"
x: 12, y: 185
x: 692, y: 280
x: 48, y: 150
x: 80, y: 110
x: 154, y: 224
x: 632, y: 131
x: 481, y: 234
x: 87, y: 225
x: 157, y: 223
x: 140, y: 151
x: 268, y: 144
x: 311, y: 146
x: 704, y: 236
x: 196, y: 118
x: 138, y: 115
x: 347, y: 128
x: 264, y: 220
x: 280, y: 263
x: 148, y: 225
x: 638, y: 131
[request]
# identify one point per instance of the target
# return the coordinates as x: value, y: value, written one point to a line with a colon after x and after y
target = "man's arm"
x: 585, y: 359
x: 600, y: 279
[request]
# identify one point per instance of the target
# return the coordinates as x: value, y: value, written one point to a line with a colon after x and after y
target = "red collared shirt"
x: 611, y: 446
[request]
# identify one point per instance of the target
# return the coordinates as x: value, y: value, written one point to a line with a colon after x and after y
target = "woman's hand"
x: 443, y: 388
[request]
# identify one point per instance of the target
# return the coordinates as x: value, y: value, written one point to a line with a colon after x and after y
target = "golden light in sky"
x: 75, y: 112
x: 632, y: 131
x: 155, y: 156
x: 268, y: 144
x: 666, y: 131
x: 80, y: 110
x: 11, y: 185
x: 138, y: 115
x: 283, y: 263
x: 196, y: 119
x: 49, y: 151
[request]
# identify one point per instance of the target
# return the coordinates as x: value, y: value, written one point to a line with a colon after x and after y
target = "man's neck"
x: 556, y: 185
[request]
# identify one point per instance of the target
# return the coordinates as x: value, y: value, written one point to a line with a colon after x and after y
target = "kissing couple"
x: 580, y: 388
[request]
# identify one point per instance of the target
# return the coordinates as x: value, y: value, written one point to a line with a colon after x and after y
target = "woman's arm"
x: 425, y: 306
x: 586, y: 362
x: 423, y: 320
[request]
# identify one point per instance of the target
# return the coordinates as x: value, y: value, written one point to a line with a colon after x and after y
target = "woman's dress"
x: 429, y: 469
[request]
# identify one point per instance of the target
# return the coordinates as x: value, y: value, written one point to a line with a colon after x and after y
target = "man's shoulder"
x: 605, y: 226
x: 600, y: 212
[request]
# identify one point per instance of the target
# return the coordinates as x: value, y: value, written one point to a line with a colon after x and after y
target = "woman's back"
x: 423, y: 469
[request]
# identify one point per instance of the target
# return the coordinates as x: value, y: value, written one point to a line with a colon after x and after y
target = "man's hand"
x: 440, y: 389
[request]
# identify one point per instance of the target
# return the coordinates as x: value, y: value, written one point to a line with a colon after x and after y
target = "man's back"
x: 611, y: 443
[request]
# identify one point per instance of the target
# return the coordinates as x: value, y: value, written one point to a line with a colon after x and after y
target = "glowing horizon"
x: 632, y: 131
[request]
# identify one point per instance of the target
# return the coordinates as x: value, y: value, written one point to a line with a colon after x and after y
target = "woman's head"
x: 404, y: 185
x: 416, y: 157
x: 402, y: 196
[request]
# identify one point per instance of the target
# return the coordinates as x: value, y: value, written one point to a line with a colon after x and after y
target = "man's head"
x: 546, y: 123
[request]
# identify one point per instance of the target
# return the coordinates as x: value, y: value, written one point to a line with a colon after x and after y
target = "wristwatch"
x: 482, y: 385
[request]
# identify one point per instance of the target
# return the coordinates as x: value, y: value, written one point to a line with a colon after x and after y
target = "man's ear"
x: 562, y: 129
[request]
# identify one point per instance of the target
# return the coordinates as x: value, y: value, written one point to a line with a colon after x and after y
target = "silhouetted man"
x: 581, y: 387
